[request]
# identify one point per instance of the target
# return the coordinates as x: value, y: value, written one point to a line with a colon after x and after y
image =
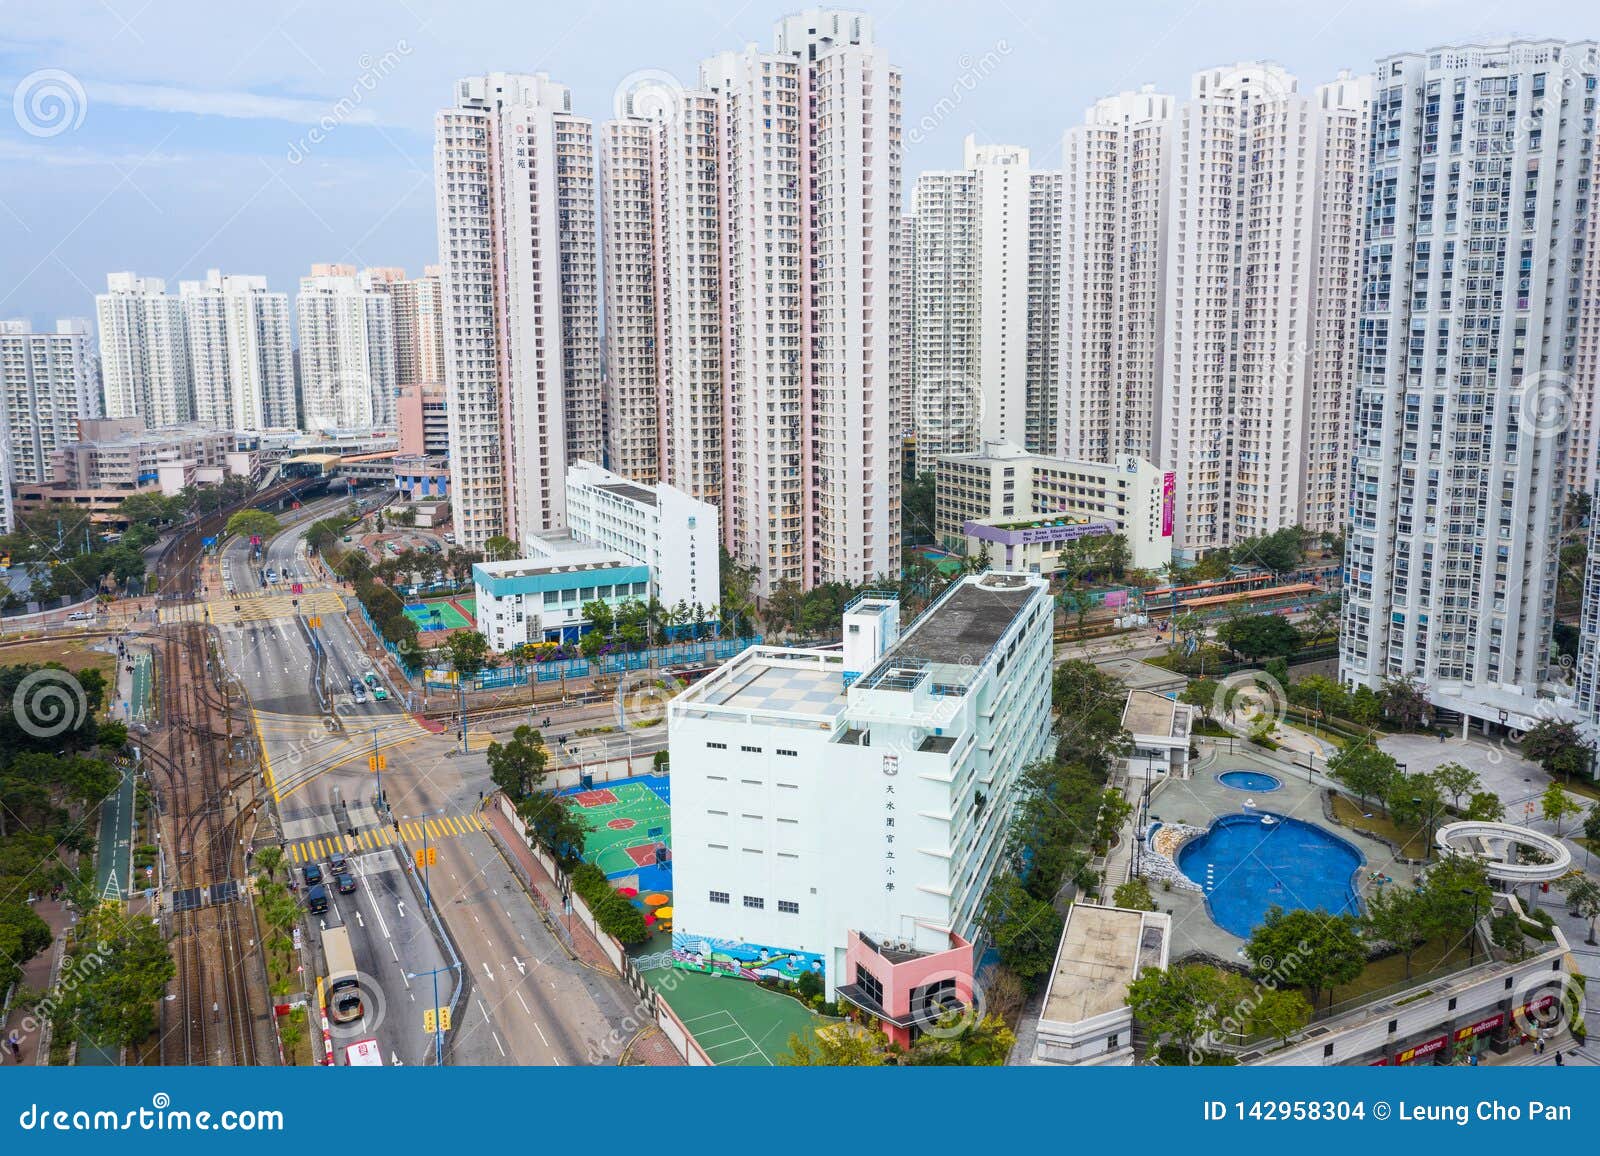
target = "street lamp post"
x: 1472, y: 939
x: 438, y: 1019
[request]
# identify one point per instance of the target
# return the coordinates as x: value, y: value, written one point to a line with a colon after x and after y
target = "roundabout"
x: 1494, y: 845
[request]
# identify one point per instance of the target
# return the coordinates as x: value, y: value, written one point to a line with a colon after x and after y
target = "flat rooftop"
x: 1152, y: 714
x: 764, y: 682
x: 631, y: 492
x: 566, y: 561
x: 964, y: 626
x: 1136, y: 675
x: 1099, y: 958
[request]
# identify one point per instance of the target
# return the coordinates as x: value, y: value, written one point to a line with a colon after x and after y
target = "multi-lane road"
x: 522, y: 998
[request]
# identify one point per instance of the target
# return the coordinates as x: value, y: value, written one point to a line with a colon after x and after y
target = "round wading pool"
x: 1252, y: 781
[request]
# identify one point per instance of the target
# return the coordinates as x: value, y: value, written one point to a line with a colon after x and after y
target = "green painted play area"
x: 443, y: 613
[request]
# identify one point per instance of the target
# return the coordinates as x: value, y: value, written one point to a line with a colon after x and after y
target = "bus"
x: 363, y: 1054
x: 344, y: 983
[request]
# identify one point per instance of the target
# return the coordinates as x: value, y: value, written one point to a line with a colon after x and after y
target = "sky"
x: 168, y: 137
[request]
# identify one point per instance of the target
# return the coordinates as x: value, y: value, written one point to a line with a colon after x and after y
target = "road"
x: 527, y: 1001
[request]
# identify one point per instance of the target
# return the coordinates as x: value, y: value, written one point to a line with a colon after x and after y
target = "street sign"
x: 299, y: 588
x: 428, y: 857
x: 436, y: 1019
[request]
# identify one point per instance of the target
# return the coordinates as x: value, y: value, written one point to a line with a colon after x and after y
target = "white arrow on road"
x: 402, y: 908
x: 521, y: 968
x: 487, y: 970
x: 359, y: 921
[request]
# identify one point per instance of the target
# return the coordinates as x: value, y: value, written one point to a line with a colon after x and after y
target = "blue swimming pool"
x: 1248, y: 864
x: 1256, y: 781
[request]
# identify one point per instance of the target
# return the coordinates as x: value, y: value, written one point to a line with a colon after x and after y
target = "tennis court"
x: 737, y: 1023
x: 629, y: 821
x: 442, y: 614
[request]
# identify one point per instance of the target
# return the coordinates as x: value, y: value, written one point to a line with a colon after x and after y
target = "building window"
x: 788, y: 907
x: 718, y: 746
x: 791, y: 754
x: 1112, y: 1042
x: 751, y: 750
x: 719, y: 897
x: 755, y: 902
x: 869, y: 984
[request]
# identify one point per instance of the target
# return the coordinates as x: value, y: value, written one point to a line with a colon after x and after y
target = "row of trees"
x: 956, y: 1040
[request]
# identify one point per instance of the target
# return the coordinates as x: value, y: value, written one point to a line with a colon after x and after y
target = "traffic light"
x: 377, y: 762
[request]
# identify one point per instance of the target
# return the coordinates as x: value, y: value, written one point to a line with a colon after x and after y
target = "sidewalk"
x: 545, y: 893
x: 36, y: 976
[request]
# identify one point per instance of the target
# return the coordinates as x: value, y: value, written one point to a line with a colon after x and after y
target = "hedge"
x: 615, y: 915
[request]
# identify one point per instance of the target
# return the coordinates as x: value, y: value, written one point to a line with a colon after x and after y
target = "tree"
x: 518, y: 767
x: 1551, y: 743
x: 1201, y: 693
x: 836, y: 1046
x: 1134, y: 895
x: 1258, y: 636
x: 1591, y: 824
x: 1583, y: 896
x: 1400, y: 917
x: 1414, y: 801
x: 469, y: 652
x: 269, y: 859
x: 499, y: 547
x: 252, y: 523
x: 956, y: 1041
x: 1555, y: 805
x: 1366, y: 707
x: 1403, y: 701
x: 1025, y: 930
x: 1089, y: 703
x: 1456, y: 780
x: 1280, y: 551
x: 1279, y: 1012
x: 1309, y: 949
x: 1364, y: 769
x: 598, y: 614
x: 1456, y: 893
x: 1485, y: 807
x: 1112, y: 813
x: 1185, y: 1005
x: 122, y: 969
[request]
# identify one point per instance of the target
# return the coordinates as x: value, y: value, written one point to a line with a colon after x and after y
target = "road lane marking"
x: 524, y: 1004
x: 540, y: 1030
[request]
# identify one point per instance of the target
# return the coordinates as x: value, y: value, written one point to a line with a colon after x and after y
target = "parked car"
x: 312, y: 873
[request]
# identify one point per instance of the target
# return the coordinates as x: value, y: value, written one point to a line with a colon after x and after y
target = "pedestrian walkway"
x: 415, y: 832
x: 36, y: 976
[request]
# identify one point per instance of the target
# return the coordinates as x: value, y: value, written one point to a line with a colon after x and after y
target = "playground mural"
x: 742, y: 960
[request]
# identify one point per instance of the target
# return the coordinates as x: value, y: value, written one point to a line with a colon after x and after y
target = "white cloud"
x: 234, y: 105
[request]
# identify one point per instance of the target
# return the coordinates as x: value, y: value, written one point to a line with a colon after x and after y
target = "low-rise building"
x: 423, y: 416
x: 843, y: 811
x: 419, y: 478
x: 116, y: 457
x: 658, y: 526
x: 1023, y: 507
x: 541, y: 599
x: 1085, y: 1018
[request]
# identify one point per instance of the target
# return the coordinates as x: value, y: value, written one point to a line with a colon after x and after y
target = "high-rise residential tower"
x: 985, y: 247
x: 47, y: 383
x: 1481, y: 170
x: 347, y: 350
x: 753, y: 261
x: 144, y: 351
x: 515, y: 199
x: 418, y: 323
x: 240, y: 352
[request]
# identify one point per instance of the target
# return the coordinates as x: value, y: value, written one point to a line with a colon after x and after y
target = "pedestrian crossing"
x: 259, y: 607
x: 414, y: 831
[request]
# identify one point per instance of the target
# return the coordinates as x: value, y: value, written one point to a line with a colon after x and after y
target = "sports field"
x: 442, y: 614
x: 738, y: 1023
x: 629, y: 821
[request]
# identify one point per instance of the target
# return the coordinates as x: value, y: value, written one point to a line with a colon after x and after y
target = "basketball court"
x: 442, y: 614
x: 629, y: 827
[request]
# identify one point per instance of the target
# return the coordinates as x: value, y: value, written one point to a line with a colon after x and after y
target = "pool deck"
x: 1201, y: 798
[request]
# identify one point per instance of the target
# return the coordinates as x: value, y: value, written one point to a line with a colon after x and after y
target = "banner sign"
x: 1416, y: 1053
x: 1169, y: 492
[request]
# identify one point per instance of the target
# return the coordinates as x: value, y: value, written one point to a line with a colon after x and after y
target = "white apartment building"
x: 983, y: 248
x: 658, y: 526
x: 1481, y: 163
x: 515, y: 196
x: 1260, y: 226
x: 825, y: 797
x: 1023, y: 508
x: 1583, y: 456
x: 347, y: 350
x: 241, y: 354
x: 628, y: 238
x: 144, y: 351
x: 47, y: 384
x: 1113, y: 277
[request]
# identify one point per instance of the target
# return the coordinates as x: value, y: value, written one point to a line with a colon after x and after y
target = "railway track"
x: 220, y: 982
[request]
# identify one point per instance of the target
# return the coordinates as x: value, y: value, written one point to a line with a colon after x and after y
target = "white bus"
x: 363, y: 1054
x: 344, y: 983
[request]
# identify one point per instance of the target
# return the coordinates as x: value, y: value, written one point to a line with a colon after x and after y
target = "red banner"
x: 1480, y: 1027
x: 1169, y: 489
x: 1427, y: 1049
x: 1533, y: 1005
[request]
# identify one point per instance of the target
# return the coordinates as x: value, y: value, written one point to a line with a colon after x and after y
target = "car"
x: 80, y: 616
x: 312, y: 873
x: 271, y: 576
x: 338, y: 864
x: 317, y: 899
x: 346, y: 882
x: 451, y: 538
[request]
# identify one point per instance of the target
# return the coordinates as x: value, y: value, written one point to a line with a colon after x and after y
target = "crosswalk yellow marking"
x: 319, y: 847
